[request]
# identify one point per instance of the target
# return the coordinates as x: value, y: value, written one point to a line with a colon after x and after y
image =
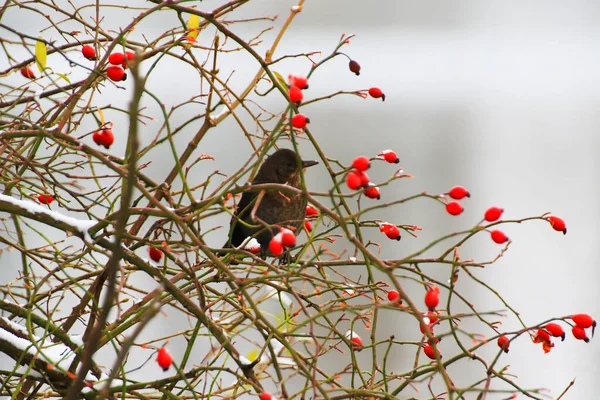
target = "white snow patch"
x: 81, y: 225
x: 58, y: 355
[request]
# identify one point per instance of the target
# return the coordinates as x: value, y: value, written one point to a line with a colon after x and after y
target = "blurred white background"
x: 500, y: 97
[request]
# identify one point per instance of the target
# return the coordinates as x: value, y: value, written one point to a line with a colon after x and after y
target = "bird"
x: 274, y: 208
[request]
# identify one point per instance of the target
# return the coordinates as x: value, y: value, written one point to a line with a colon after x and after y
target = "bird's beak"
x: 309, y: 163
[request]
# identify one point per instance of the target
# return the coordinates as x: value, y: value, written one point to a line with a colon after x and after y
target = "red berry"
x: 164, y: 358
x: 504, y: 343
x: 579, y: 333
x: 432, y: 298
x: 555, y: 330
x: 390, y: 156
x: 354, y: 67
x: 265, y: 396
x: 254, y: 249
x: 307, y: 226
x: 356, y: 341
x: 353, y: 180
x: 428, y: 350
x: 129, y: 55
x: 428, y: 326
x: 432, y: 316
x: 45, y: 198
x: 116, y: 73
x: 583, y: 320
x: 376, y: 93
x: 109, y: 138
x: 372, y: 192
x: 296, y: 95
x: 557, y: 224
x: 499, y: 236
x: 361, y: 163
x: 275, y: 246
x: 433, y: 340
x: 298, y: 80
x: 364, y: 178
x: 97, y: 137
x: 493, y: 214
x: 311, y: 211
x: 299, y: 121
x: 542, y: 336
x: 116, y: 58
x: 28, y: 73
x: 458, y: 192
x: 288, y: 239
x: 390, y: 230
x: 454, y: 208
x: 88, y: 52
x: 393, y: 295
x: 155, y: 254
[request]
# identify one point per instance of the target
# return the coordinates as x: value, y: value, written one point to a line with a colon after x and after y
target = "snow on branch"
x: 31, y: 210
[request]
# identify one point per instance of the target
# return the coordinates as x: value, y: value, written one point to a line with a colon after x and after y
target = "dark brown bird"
x: 274, y: 207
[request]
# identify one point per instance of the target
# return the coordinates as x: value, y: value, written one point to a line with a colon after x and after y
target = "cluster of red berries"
x: 544, y: 334
x: 456, y: 193
x: 357, y: 178
x: 432, y: 300
x: 311, y: 213
x: 284, y: 239
x: 104, y: 137
x: 493, y: 214
x: 45, y: 198
x: 296, y: 84
x: 432, y: 318
x: 582, y: 322
x: 118, y: 61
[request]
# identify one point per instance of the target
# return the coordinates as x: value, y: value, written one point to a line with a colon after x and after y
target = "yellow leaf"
x: 40, y: 55
x: 193, y: 22
x: 64, y: 77
x: 193, y: 26
x: 282, y: 81
x: 101, y: 115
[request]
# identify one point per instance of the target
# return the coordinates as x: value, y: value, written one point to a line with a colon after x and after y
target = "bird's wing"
x: 244, y: 206
x: 237, y: 231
